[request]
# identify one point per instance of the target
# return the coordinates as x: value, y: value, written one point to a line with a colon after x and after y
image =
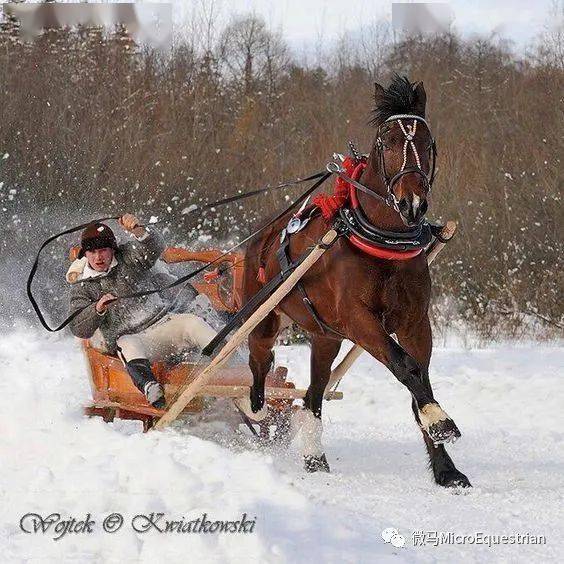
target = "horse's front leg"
x: 308, y: 420
x: 417, y: 340
x: 368, y: 332
x: 261, y: 357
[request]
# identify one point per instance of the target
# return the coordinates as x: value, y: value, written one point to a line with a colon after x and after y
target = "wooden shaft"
x: 447, y: 233
x: 191, y: 389
x: 341, y: 369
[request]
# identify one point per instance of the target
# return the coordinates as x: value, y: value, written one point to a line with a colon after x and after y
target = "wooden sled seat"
x: 110, y: 381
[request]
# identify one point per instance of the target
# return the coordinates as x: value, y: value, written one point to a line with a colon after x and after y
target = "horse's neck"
x: 378, y: 213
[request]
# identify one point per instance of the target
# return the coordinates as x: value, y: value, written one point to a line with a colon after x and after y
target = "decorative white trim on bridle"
x: 406, y: 116
x: 409, y: 133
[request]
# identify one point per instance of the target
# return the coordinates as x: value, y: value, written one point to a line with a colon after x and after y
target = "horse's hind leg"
x: 418, y: 343
x: 261, y: 357
x: 308, y: 420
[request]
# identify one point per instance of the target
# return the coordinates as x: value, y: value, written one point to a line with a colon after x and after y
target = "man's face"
x: 100, y: 259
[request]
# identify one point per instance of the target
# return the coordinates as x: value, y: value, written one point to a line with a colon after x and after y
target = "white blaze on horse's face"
x: 416, y: 200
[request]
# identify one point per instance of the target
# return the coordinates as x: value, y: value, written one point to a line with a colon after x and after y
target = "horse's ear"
x: 379, y: 92
x: 420, y: 99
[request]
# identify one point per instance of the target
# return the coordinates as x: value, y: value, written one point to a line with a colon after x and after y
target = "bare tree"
x: 251, y: 53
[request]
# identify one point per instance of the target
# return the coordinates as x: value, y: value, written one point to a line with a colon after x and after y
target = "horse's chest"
x: 386, y: 288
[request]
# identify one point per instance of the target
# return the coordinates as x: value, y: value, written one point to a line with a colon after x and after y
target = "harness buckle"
x: 334, y: 168
x: 340, y: 227
x: 294, y: 225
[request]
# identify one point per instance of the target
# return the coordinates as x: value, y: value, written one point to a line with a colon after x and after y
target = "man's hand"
x: 131, y: 224
x: 103, y: 303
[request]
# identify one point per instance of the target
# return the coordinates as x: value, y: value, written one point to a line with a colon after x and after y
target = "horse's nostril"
x: 403, y: 205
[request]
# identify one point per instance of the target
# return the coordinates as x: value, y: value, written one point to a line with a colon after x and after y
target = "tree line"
x: 92, y: 124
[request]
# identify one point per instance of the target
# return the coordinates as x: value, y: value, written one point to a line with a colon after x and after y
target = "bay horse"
x: 362, y: 297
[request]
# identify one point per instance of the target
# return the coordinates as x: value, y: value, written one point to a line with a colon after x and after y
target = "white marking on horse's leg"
x: 311, y: 430
x: 244, y: 404
x: 430, y: 414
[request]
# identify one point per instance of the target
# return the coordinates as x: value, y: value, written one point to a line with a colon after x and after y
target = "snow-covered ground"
x: 507, y: 401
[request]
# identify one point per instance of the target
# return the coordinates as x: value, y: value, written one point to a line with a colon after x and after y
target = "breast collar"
x: 363, y: 232
x: 390, y: 245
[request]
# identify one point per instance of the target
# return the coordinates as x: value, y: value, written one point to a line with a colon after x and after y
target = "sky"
x: 303, y: 22
x: 307, y: 24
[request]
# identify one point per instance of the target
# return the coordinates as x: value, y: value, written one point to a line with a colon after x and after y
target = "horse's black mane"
x: 398, y: 98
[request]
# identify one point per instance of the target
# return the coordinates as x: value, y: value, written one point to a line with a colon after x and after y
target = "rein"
x: 335, y: 168
x: 320, y: 176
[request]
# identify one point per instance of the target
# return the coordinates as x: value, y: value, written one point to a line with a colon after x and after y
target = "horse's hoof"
x: 316, y: 463
x: 453, y: 479
x: 444, y: 431
x: 244, y: 405
x: 257, y: 399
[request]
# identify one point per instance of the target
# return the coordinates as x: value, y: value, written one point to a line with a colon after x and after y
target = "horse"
x: 355, y: 295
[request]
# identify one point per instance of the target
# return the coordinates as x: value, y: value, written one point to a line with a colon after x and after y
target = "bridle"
x: 409, y: 134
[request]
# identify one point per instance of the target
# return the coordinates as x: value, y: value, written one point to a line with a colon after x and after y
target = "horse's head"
x: 404, y: 147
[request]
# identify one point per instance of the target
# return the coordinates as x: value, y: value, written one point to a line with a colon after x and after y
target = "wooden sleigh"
x: 115, y: 396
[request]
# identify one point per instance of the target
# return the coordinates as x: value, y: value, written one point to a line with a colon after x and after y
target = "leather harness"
x: 283, y: 256
x: 351, y: 222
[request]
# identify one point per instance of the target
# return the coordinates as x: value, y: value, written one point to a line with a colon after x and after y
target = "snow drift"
x: 506, y: 400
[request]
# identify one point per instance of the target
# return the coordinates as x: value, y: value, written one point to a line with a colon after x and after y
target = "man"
x: 138, y: 329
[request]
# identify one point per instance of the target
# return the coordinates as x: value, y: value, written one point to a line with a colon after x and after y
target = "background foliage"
x: 92, y: 124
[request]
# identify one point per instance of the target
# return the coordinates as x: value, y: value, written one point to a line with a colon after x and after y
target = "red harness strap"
x: 329, y: 205
x: 381, y: 252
